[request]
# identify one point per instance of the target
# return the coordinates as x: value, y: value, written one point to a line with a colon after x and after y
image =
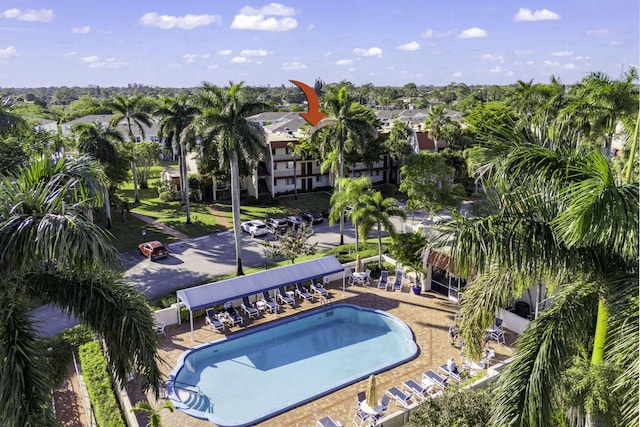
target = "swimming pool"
x: 264, y: 371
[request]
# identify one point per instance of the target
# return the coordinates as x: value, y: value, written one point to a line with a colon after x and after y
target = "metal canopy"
x: 227, y: 290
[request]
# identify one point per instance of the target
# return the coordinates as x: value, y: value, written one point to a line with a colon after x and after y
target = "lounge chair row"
x: 397, y: 284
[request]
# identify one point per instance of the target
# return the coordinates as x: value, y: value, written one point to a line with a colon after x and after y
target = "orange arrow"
x: 314, y: 115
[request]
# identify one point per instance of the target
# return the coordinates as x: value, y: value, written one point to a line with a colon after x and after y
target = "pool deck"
x: 429, y: 316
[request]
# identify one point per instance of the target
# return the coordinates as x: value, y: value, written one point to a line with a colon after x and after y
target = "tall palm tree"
x: 224, y: 126
x: 351, y: 198
x: 436, y: 122
x: 562, y: 219
x: 176, y: 115
x: 135, y: 113
x: 99, y: 142
x: 51, y: 253
x: 341, y: 126
x: 377, y: 213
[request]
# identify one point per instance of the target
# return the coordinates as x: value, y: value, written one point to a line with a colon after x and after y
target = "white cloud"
x: 457, y: 74
x: 30, y: 15
x: 582, y: 58
x: 472, y: 33
x: 569, y: 66
x: 411, y: 46
x: 496, y: 70
x: 526, y: 52
x: 276, y: 9
x: 81, y: 30
x: 97, y: 62
x: 295, y: 65
x: 492, y: 57
x: 526, y: 15
x: 599, y: 33
x: 69, y: 54
x: 563, y: 53
x: 187, y: 22
x: 615, y: 43
x: 344, y: 62
x: 212, y: 67
x: 240, y: 60
x: 256, y: 52
x: 263, y: 19
x: 372, y: 51
x: 427, y: 34
x: 189, y: 58
x: 8, y: 53
x: 225, y: 52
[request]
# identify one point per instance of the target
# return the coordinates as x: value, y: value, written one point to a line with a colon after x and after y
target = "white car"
x: 426, y: 223
x: 255, y: 228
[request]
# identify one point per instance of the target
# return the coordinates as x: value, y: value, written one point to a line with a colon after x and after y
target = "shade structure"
x: 372, y: 392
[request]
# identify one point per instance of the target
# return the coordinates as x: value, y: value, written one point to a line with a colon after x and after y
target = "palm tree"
x: 176, y: 115
x: 564, y: 220
x: 351, y: 198
x: 223, y: 125
x: 133, y: 112
x: 154, y: 413
x: 400, y: 140
x: 51, y: 253
x: 341, y: 126
x: 99, y: 142
x: 377, y: 213
x: 436, y: 122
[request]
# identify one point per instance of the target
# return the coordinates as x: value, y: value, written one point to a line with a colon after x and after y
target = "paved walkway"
x: 175, y: 233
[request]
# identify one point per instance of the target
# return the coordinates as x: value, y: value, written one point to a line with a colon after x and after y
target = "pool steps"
x: 194, y: 399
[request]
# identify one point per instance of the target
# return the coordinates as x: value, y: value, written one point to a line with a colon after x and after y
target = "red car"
x: 153, y: 250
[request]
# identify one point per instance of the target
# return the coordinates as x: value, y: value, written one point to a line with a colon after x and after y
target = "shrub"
x: 97, y: 378
x: 467, y: 407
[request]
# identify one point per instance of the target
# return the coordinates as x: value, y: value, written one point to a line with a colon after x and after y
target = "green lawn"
x: 127, y: 235
x: 313, y: 202
x: 248, y: 213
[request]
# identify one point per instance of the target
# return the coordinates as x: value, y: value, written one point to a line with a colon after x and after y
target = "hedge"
x: 97, y: 378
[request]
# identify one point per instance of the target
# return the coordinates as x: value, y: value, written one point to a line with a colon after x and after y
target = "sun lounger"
x: 284, y: 298
x: 248, y: 308
x: 212, y: 319
x: 318, y: 288
x: 434, y: 378
x: 303, y: 293
x: 384, y: 280
x: 271, y: 305
x: 327, y: 422
x: 397, y: 283
x: 451, y: 374
x: 401, y: 397
x: 235, y: 317
x: 419, y: 390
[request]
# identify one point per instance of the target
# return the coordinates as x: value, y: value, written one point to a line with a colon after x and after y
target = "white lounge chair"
x: 401, y: 397
x: 384, y: 280
x: 419, y: 390
x: 269, y: 302
x: 284, y: 298
x: 302, y: 292
x: 248, y: 308
x: 451, y: 374
x: 212, y: 319
x: 319, y: 289
x: 434, y: 378
x: 397, y: 283
x: 327, y: 422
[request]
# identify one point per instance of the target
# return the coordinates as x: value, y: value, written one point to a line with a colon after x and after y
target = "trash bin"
x: 522, y: 309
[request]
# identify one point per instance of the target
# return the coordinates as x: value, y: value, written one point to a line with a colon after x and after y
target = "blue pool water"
x: 261, y: 372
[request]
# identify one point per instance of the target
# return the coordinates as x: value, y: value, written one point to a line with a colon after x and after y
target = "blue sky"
x: 183, y: 43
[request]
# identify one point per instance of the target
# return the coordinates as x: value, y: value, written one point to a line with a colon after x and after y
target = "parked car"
x: 255, y: 228
x: 426, y: 223
x: 153, y: 250
x: 312, y: 217
x: 276, y: 225
x: 294, y: 221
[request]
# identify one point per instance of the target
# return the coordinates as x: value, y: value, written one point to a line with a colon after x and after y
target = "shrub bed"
x: 97, y: 378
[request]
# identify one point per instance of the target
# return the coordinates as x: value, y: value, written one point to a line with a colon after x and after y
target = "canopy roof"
x: 251, y: 284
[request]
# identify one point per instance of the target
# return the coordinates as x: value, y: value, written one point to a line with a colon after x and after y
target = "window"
x: 289, y: 165
x: 275, y: 166
x: 318, y: 178
x: 290, y: 181
x: 273, y: 151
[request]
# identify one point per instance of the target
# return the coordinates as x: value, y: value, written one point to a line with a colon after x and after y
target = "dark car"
x: 312, y: 217
x: 276, y: 225
x: 294, y: 222
x: 153, y: 250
